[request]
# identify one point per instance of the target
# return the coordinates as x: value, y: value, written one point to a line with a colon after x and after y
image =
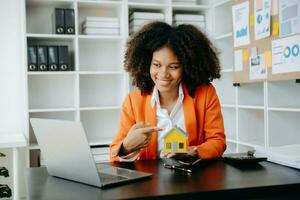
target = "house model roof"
x: 179, y: 130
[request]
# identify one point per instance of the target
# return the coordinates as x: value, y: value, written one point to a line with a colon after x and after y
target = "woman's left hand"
x: 191, y: 152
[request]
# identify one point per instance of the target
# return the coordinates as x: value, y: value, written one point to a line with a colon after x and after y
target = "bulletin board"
x: 263, y: 46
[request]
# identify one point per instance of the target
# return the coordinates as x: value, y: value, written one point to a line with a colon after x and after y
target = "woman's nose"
x: 163, y: 72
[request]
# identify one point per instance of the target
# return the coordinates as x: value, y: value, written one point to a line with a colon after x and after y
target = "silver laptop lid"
x: 66, y: 150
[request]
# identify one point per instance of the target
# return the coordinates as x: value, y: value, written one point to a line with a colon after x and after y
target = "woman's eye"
x: 156, y: 65
x: 173, y: 67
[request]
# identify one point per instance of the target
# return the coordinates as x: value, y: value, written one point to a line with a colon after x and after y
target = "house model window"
x: 175, y: 141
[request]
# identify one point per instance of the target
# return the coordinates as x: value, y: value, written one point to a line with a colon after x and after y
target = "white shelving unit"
x: 94, y: 91
x: 263, y: 113
x: 11, y: 145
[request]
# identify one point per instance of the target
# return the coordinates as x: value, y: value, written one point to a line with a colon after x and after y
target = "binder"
x: 42, y: 58
x: 52, y: 58
x: 59, y: 21
x: 32, y: 58
x: 69, y: 21
x: 63, y: 58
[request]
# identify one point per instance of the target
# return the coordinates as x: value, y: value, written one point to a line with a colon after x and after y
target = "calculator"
x: 243, y: 158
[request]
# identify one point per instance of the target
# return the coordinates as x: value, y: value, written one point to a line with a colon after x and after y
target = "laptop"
x: 67, y: 155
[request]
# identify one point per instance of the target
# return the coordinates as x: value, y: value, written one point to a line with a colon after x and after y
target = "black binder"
x: 42, y: 58
x: 52, y: 58
x: 63, y: 58
x: 69, y: 21
x: 32, y: 58
x: 59, y: 21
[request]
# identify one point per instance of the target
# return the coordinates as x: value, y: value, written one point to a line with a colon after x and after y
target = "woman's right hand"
x: 138, y: 137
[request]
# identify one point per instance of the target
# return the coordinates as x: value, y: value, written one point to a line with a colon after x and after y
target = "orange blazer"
x: 203, y: 122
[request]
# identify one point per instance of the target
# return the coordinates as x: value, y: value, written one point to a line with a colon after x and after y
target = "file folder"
x: 63, y: 58
x: 59, y: 21
x: 32, y: 58
x: 52, y: 58
x: 42, y: 58
x: 69, y: 21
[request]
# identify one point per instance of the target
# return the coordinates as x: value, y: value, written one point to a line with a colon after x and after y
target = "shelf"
x: 34, y: 147
x: 251, y: 107
x: 247, y: 144
x: 228, y: 105
x: 99, y: 4
x: 100, y: 37
x: 185, y: 7
x: 231, y: 140
x: 50, y: 36
x: 155, y: 6
x: 93, y: 2
x: 101, y: 72
x: 222, y: 3
x: 100, y: 108
x: 52, y: 110
x: 51, y: 73
x: 101, y: 142
x: 12, y: 140
x: 49, y: 3
x: 284, y: 109
x: 223, y: 36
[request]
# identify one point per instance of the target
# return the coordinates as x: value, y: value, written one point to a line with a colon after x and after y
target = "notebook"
x: 67, y: 155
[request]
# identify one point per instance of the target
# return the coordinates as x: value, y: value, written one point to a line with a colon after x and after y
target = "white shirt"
x: 166, y: 121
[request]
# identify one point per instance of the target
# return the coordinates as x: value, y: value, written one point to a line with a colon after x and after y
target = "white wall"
x: 11, y: 70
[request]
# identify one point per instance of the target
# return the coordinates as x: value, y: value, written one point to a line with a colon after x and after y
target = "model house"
x: 175, y: 141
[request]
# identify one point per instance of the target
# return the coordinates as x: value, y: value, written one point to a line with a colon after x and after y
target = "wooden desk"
x: 212, y: 180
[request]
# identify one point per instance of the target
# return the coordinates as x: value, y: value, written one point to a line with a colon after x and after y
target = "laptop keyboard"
x: 110, y: 178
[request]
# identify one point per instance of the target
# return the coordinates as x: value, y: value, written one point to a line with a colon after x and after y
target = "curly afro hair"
x: 193, y: 49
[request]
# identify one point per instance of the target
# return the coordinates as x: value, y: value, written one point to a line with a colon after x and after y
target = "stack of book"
x: 196, y: 20
x: 101, y: 26
x: 138, y: 19
x: 186, y: 2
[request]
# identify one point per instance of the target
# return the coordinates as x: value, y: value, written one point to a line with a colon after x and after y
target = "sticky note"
x: 275, y: 30
x: 245, y: 55
x: 251, y: 20
x: 268, y: 58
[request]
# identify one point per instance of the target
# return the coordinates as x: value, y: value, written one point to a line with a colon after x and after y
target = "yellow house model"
x: 175, y: 141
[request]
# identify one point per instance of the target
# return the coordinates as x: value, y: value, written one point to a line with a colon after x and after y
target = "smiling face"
x: 166, y: 70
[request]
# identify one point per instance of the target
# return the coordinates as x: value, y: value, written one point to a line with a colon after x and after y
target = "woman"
x: 172, y: 67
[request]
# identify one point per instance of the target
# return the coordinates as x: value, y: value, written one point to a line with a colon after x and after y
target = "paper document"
x: 240, y: 17
x: 288, y: 155
x: 262, y: 12
x: 289, y: 17
x: 286, y: 55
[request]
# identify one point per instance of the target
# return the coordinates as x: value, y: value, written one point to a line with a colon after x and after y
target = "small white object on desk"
x: 288, y: 155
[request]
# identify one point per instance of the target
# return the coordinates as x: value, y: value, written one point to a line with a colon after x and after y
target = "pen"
x: 177, y: 168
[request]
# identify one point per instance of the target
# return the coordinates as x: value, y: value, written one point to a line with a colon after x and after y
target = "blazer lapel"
x: 150, y: 117
x: 190, y: 116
